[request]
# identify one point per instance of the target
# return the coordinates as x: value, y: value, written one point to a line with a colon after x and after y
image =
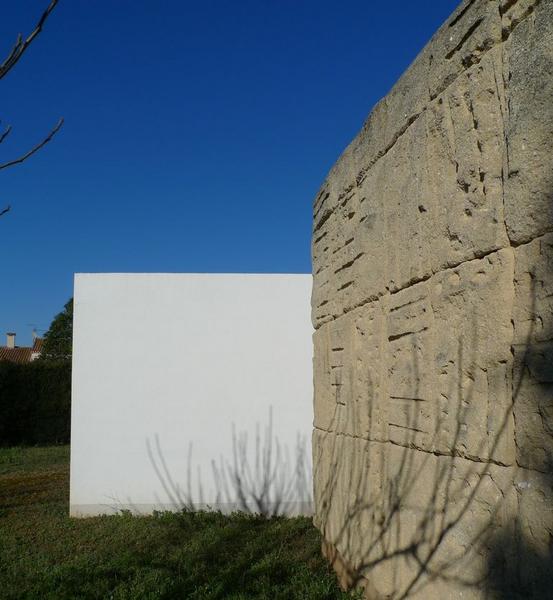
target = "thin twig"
x: 5, y: 133
x: 21, y: 45
x: 32, y: 151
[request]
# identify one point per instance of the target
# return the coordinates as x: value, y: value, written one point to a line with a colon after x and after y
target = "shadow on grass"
x: 189, y: 555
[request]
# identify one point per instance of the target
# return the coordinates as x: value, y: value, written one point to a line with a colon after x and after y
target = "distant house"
x: 20, y: 354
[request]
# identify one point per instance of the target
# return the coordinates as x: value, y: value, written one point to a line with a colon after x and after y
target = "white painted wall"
x: 165, y: 365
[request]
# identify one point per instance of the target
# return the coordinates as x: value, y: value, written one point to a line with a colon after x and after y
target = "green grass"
x: 45, y: 555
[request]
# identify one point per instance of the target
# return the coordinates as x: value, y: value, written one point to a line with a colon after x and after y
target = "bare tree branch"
x: 5, y: 133
x: 21, y: 45
x: 36, y: 148
x: 9, y: 62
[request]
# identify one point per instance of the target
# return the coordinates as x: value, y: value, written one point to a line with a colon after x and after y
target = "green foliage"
x: 198, y: 556
x: 35, y: 403
x: 58, y: 340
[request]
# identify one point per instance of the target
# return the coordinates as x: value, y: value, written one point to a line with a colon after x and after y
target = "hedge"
x: 35, y: 403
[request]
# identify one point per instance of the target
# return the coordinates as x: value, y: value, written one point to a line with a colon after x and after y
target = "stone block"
x: 442, y: 199
x: 528, y: 78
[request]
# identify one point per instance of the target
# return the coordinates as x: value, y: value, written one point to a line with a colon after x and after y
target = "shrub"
x: 35, y: 403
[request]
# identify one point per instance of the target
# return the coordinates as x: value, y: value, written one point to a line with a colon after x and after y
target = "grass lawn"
x: 44, y: 554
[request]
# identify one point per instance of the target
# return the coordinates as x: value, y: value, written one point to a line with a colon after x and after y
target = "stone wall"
x: 433, y: 309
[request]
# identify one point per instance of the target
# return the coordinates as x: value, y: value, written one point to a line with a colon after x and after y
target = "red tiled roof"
x: 16, y: 355
x: 37, y: 345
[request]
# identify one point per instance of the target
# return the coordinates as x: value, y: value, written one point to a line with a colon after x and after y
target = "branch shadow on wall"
x: 520, y: 562
x: 264, y: 478
x: 404, y: 520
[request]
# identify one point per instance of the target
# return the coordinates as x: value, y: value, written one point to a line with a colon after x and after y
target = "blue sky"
x: 196, y: 134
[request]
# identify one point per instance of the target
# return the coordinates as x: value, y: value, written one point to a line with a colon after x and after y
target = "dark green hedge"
x: 35, y: 403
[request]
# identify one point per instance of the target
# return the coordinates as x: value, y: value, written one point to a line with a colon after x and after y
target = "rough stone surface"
x: 533, y: 354
x: 433, y: 314
x: 528, y: 67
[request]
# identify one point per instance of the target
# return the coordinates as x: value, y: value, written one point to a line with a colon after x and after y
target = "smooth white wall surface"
x: 166, y: 367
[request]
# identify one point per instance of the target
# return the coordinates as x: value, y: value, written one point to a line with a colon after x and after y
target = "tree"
x: 16, y: 52
x: 58, y: 340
